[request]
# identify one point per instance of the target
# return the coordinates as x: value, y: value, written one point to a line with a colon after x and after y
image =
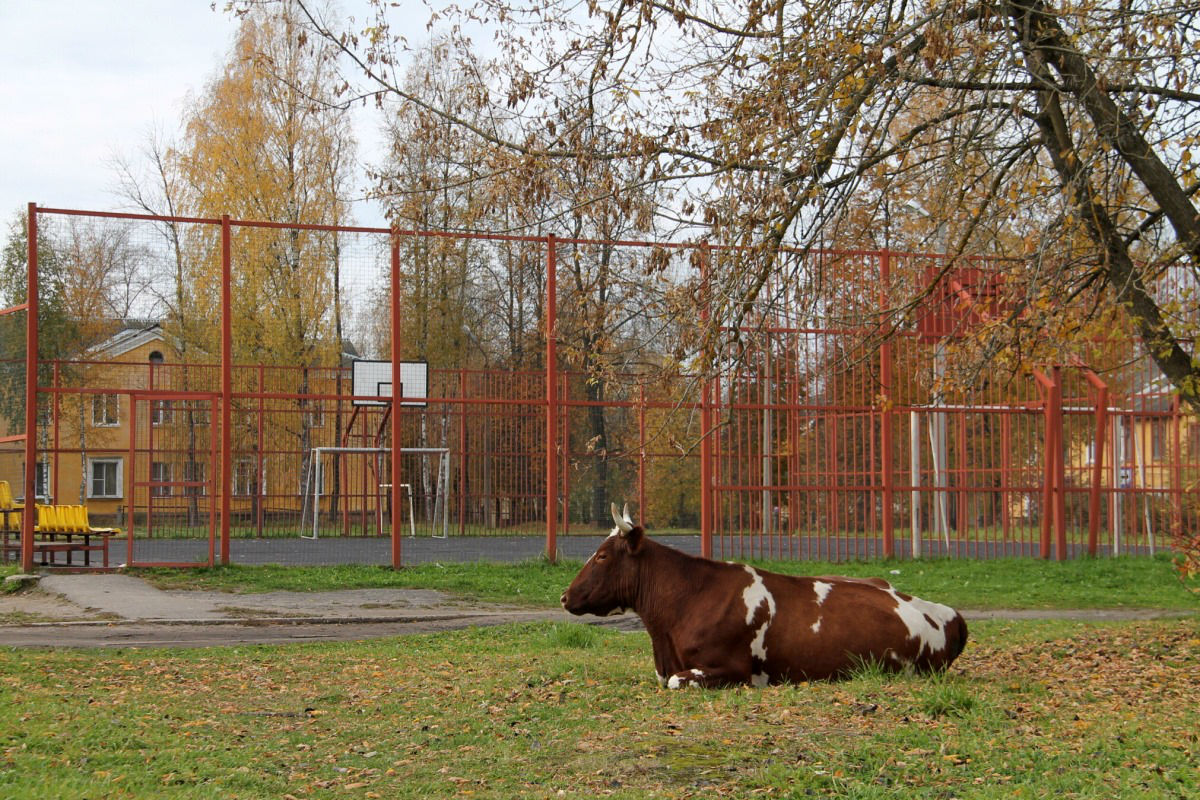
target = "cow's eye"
x: 601, y: 556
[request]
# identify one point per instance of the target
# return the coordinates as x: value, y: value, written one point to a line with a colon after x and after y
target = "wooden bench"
x: 60, y: 529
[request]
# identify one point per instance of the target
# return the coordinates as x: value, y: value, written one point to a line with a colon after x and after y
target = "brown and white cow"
x: 718, y: 624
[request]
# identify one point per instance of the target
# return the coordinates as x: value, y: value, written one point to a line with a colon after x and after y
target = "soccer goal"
x: 434, y: 469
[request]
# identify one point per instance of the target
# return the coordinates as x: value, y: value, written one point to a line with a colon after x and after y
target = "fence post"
x: 397, y: 381
x: 552, y: 443
x: 1054, y: 509
x: 706, y: 399
x: 914, y: 461
x: 226, y: 384
x: 462, y: 451
x: 1046, y: 387
x: 1097, y: 459
x: 641, y: 489
x: 886, y: 415
x: 1060, y: 483
x: 31, y: 394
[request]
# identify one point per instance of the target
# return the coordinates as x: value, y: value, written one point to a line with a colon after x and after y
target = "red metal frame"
x: 216, y: 522
x: 830, y: 428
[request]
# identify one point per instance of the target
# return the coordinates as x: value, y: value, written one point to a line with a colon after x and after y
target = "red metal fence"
x: 809, y: 435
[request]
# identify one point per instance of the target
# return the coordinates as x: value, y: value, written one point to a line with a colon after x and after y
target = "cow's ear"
x: 633, y: 538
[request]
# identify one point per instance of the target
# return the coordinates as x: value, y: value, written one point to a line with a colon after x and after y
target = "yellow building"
x: 105, y: 441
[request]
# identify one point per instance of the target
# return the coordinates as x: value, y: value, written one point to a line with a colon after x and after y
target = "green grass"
x: 531, y: 583
x: 1031, y: 710
x: 1121, y: 582
x: 5, y: 571
x: 1124, y: 582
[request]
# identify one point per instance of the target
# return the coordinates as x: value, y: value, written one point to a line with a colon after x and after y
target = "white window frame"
x: 166, y: 471
x: 119, y: 463
x: 196, y: 472
x: 315, y: 414
x: 244, y: 469
x: 162, y: 412
x: 100, y: 403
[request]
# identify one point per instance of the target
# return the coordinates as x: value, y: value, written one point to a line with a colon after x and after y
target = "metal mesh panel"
x: 832, y: 430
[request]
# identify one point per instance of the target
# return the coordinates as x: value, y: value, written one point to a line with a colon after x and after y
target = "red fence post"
x: 226, y: 385
x: 259, y: 468
x: 552, y: 443
x: 706, y: 399
x: 31, y: 394
x: 1060, y: 483
x: 1048, y: 448
x: 885, y: 431
x: 462, y: 451
x: 397, y: 382
x: 641, y: 480
x: 1097, y: 459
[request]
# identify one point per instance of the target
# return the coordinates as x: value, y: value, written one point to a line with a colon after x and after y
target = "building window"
x: 104, y: 477
x: 195, y: 473
x: 198, y: 411
x: 106, y: 410
x: 315, y: 416
x: 160, y: 472
x: 245, y: 478
x: 161, y: 412
x: 1158, y: 439
x: 1194, y: 440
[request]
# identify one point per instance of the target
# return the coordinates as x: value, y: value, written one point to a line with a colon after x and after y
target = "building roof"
x: 132, y: 335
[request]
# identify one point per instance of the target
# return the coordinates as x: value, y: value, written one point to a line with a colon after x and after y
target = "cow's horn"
x: 623, y: 522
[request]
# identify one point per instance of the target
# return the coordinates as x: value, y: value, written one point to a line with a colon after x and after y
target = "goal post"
x: 314, y: 488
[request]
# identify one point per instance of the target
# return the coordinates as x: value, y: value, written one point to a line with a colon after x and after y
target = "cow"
x: 714, y: 624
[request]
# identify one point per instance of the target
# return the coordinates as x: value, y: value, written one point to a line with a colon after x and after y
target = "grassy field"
x: 966, y: 583
x: 1031, y: 710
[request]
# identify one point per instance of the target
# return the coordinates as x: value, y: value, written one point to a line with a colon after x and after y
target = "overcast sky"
x: 82, y: 81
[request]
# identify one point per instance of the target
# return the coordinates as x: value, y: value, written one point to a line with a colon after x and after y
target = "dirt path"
x: 123, y: 611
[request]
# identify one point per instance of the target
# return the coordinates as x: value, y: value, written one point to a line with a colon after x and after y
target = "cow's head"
x: 608, y: 581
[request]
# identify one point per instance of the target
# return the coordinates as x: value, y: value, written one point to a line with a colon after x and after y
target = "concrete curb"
x: 264, y: 621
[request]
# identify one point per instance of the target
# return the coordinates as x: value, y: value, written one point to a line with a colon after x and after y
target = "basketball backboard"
x: 374, y: 379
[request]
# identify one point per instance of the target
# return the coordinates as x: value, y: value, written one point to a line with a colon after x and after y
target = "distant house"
x: 85, y: 433
x: 1152, y: 445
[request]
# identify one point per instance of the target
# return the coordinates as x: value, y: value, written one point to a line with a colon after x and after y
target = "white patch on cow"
x: 816, y: 626
x: 822, y: 588
x: 676, y: 682
x: 662, y: 679
x: 759, y: 679
x: 754, y: 596
x: 916, y: 613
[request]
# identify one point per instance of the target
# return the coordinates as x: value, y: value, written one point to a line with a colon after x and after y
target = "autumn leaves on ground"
x: 1032, y: 709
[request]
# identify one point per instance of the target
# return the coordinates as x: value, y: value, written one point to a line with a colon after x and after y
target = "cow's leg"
x: 707, y: 678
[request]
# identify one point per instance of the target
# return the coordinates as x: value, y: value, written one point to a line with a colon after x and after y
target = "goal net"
x: 426, y: 488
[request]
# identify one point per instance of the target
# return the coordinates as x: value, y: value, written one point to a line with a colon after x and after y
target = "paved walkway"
x: 116, y: 610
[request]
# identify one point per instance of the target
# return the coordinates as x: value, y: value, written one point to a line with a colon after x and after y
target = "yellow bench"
x: 59, y: 529
x: 10, y: 516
